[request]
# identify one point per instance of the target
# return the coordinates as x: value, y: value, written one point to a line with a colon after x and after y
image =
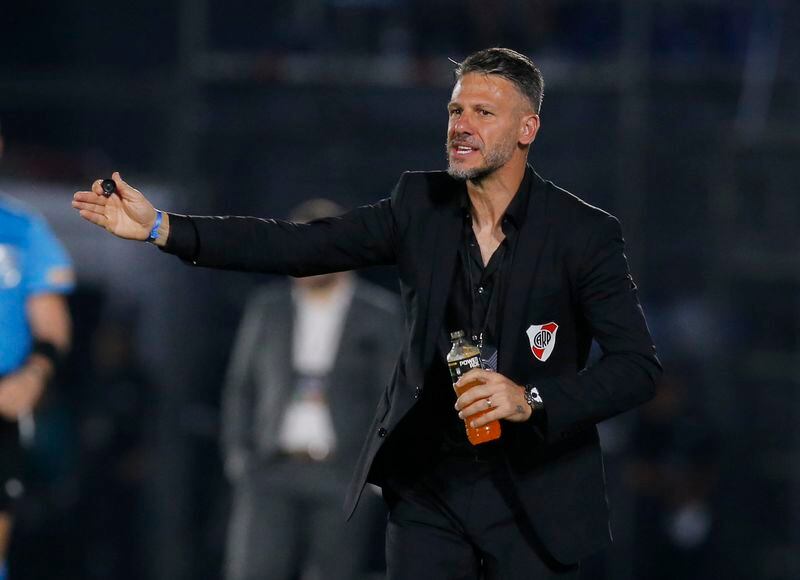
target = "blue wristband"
x: 154, y: 232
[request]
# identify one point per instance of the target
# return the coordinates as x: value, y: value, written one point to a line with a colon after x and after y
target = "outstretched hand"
x: 126, y: 214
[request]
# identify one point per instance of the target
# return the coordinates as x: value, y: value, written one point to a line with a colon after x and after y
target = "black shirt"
x: 476, y: 294
x: 474, y: 305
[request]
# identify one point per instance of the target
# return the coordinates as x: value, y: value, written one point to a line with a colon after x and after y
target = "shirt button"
x: 481, y: 289
x: 381, y: 432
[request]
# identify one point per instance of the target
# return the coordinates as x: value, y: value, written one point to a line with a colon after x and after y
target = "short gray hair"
x: 510, y: 65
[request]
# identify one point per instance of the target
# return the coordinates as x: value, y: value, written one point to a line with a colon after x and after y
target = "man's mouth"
x: 462, y: 149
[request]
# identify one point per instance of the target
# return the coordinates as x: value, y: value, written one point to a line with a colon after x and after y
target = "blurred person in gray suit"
x: 308, y: 364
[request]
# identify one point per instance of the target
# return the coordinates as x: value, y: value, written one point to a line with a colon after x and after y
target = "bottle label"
x: 489, y: 356
x: 463, y: 366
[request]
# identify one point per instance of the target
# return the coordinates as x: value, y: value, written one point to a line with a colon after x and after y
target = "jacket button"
x: 381, y: 432
x: 416, y: 392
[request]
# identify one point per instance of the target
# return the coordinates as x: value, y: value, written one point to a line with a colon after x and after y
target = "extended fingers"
x: 94, y: 217
x: 90, y: 197
x: 89, y: 206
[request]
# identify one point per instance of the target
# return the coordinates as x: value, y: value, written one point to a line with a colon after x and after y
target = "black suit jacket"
x: 568, y: 268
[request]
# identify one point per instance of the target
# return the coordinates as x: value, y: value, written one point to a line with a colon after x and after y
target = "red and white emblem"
x: 543, y: 339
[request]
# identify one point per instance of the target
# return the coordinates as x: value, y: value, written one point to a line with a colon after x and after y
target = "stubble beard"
x: 494, y: 159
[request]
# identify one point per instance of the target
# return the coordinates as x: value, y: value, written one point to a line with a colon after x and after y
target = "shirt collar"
x: 518, y: 207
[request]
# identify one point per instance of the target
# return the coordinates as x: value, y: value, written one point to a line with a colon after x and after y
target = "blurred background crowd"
x: 681, y: 117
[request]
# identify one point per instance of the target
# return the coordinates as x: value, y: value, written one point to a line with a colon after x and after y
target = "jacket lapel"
x: 524, y: 265
x: 448, y: 226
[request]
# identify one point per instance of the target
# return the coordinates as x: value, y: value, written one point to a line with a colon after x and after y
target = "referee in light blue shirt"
x: 35, y: 274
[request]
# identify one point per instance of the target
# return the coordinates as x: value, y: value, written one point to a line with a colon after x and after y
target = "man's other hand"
x: 505, y: 398
x: 20, y: 391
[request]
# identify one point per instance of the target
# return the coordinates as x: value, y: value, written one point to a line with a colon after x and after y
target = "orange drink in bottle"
x: 463, y: 357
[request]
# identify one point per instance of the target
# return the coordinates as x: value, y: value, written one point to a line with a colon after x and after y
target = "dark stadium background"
x: 679, y: 116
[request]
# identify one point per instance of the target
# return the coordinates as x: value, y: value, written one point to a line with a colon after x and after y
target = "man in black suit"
x: 530, y: 271
x: 309, y: 361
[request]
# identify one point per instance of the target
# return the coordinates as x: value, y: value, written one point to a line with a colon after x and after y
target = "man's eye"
x: 483, y: 112
x: 455, y: 112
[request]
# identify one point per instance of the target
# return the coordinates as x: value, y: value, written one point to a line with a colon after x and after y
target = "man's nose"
x: 462, y: 126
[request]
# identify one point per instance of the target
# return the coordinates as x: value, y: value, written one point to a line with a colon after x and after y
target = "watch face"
x: 534, y: 399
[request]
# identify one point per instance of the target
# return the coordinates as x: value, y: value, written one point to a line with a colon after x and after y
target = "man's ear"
x: 529, y: 129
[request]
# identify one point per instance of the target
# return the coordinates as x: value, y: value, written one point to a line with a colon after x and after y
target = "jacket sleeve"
x: 365, y: 236
x: 627, y: 372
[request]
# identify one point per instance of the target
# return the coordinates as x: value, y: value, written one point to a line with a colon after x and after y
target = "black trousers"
x: 461, y: 521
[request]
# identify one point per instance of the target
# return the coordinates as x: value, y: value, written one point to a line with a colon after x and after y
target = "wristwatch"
x: 533, y: 398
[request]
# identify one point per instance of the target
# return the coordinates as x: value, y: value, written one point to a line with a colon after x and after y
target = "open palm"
x: 126, y: 214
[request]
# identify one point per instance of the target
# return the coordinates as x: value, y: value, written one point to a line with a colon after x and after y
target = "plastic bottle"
x: 463, y: 357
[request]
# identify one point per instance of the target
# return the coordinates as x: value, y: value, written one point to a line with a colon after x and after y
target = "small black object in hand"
x: 109, y: 187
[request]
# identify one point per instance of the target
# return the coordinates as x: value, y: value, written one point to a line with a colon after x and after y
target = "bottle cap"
x: 456, y: 335
x: 108, y: 186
